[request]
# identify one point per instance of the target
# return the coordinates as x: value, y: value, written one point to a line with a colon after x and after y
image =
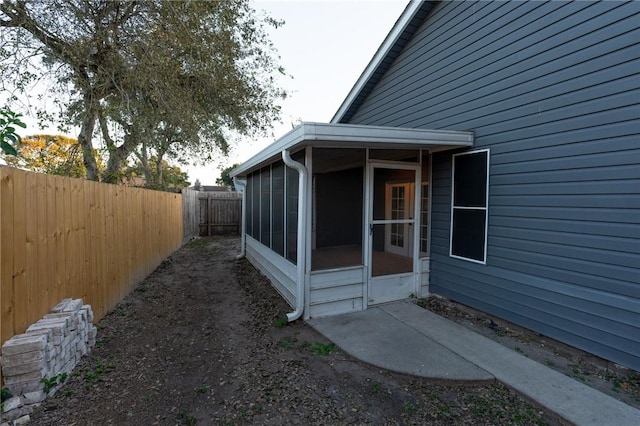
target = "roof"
x: 403, y: 30
x: 327, y: 135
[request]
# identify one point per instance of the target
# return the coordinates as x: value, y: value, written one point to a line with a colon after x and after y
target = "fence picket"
x: 6, y: 263
x: 63, y: 237
x: 19, y: 252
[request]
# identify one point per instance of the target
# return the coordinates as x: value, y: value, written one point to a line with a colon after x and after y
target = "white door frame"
x: 407, y: 248
x: 408, y: 280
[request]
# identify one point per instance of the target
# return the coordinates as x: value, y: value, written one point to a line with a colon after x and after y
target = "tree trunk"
x: 159, y: 177
x: 85, y: 139
x: 144, y: 160
x: 117, y: 158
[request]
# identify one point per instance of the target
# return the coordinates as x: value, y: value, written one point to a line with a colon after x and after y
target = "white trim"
x: 369, y: 220
x: 408, y: 211
x: 302, y: 240
x: 392, y: 38
x: 242, y: 183
x: 307, y: 231
x: 485, y: 208
x: 355, y: 136
x: 417, y: 205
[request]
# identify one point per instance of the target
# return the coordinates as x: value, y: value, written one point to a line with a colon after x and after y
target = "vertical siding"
x: 551, y: 88
x: 70, y: 238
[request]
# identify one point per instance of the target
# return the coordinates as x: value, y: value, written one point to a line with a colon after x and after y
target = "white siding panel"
x: 336, y: 291
x: 280, y: 271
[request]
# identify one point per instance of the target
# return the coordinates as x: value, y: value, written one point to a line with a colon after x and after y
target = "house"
x: 489, y: 153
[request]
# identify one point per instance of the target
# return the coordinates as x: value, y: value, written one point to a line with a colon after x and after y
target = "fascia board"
x: 356, y: 136
x: 374, y: 135
x: 285, y: 142
x: 412, y: 8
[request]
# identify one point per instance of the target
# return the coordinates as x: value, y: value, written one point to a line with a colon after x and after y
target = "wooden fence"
x: 190, y: 214
x: 63, y: 237
x: 220, y: 213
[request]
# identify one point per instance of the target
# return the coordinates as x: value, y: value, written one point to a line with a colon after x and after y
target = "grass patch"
x: 186, y: 418
x: 410, y: 408
x: 281, y: 322
x: 286, y: 342
x: 481, y: 405
x: 376, y: 386
x: 324, y: 348
x: 197, y: 243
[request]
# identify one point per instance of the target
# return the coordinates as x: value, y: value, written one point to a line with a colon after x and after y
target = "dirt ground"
x: 202, y: 341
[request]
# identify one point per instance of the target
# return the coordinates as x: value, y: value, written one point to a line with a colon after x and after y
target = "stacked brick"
x: 33, y: 363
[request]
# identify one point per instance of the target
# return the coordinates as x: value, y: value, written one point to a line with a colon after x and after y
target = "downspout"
x: 242, y: 184
x: 302, y: 227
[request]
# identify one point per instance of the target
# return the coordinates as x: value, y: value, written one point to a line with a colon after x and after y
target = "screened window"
x: 292, y: 214
x: 470, y: 205
x: 249, y: 207
x: 277, y: 201
x: 255, y: 205
x: 265, y: 206
x: 272, y: 207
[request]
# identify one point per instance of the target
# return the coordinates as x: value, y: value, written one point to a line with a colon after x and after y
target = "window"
x: 265, y: 206
x: 277, y: 201
x: 249, y: 207
x: 470, y: 194
x: 291, y: 223
x: 424, y: 207
x: 255, y: 205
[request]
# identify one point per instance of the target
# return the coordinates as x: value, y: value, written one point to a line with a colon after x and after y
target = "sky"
x: 324, y: 46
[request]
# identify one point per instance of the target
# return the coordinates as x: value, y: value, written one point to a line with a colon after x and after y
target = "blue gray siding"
x: 552, y: 89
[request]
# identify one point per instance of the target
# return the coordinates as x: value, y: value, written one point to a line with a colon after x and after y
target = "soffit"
x: 328, y: 135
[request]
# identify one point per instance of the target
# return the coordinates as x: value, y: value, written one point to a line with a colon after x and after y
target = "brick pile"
x: 34, y: 363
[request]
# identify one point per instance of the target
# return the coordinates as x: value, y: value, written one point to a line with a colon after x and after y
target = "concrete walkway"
x: 405, y: 338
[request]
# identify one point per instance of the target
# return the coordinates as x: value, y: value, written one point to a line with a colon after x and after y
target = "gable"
x: 402, y: 32
x: 472, y: 64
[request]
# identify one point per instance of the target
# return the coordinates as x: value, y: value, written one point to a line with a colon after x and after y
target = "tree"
x: 52, y: 154
x: 158, y: 78
x: 225, y: 176
x: 174, y: 178
x: 9, y: 139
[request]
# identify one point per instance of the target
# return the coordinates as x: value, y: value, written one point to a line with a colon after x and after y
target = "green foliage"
x: 158, y: 175
x: 54, y: 381
x: 225, y: 176
x: 9, y: 139
x: 99, y: 369
x: 376, y: 386
x: 410, y: 408
x: 5, y: 394
x: 197, y: 243
x: 186, y: 418
x: 286, y: 342
x: 324, y: 348
x: 52, y: 154
x: 281, y: 322
x: 179, y: 79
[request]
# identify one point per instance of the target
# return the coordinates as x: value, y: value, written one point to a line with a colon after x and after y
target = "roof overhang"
x: 328, y: 135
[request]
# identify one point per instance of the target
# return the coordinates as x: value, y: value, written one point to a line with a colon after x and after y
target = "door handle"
x: 370, y: 229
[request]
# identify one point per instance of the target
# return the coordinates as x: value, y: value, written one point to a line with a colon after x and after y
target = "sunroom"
x: 337, y: 215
